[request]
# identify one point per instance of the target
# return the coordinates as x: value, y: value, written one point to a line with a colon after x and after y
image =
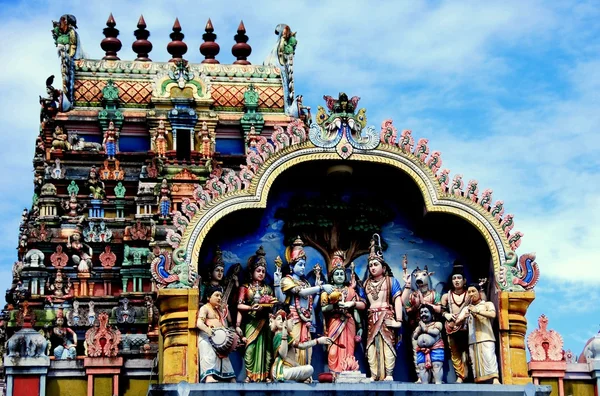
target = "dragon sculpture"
x: 283, y: 55
x: 172, y: 272
x: 518, y: 274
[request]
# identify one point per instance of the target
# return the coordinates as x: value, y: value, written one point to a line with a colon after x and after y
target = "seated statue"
x: 285, y: 366
x: 60, y: 139
x: 430, y: 346
x: 68, y: 347
x: 212, y: 316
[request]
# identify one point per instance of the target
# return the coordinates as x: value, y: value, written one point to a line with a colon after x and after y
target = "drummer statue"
x: 212, y: 317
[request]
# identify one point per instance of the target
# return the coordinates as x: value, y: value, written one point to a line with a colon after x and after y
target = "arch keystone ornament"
x: 340, y: 133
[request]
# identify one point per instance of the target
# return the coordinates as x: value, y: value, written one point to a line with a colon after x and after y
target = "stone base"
x: 352, y: 377
x: 378, y: 388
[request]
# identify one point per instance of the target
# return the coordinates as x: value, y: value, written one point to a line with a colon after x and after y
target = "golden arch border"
x: 255, y: 197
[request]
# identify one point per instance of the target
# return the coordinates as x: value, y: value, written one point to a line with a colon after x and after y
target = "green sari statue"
x: 255, y: 299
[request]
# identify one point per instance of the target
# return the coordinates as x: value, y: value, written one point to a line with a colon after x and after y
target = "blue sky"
x: 509, y: 92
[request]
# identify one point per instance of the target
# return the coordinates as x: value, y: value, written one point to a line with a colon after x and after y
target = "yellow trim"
x: 256, y: 195
x: 159, y: 91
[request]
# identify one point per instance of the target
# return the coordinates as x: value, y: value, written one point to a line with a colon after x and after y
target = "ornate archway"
x: 228, y: 191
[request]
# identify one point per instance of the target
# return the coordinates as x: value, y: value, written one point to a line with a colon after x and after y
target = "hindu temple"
x: 197, y: 228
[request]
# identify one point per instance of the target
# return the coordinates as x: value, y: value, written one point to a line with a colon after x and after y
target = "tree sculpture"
x: 330, y: 223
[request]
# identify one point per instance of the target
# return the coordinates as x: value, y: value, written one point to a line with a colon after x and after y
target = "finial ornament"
x: 141, y: 46
x: 241, y: 49
x: 111, y: 44
x: 176, y: 47
x: 209, y: 48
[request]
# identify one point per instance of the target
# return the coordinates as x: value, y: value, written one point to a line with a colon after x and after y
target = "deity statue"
x: 254, y: 297
x: 286, y: 346
x: 430, y: 346
x: 66, y: 40
x: 482, y: 343
x: 385, y: 314
x: 110, y: 141
x: 299, y: 294
x: 95, y: 185
x: 216, y: 272
x: 418, y: 291
x: 50, y: 104
x: 340, y: 309
x: 67, y: 349
x: 164, y: 201
x: 58, y: 286
x: 82, y: 259
x: 454, y: 304
x: 206, y: 141
x: 40, y: 148
x: 212, y: 317
x: 72, y: 207
x: 60, y: 139
x: 160, y: 139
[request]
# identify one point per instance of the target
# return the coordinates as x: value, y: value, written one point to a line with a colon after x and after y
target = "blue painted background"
x: 239, y: 235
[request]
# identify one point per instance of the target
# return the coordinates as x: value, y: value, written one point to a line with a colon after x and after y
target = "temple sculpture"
x: 153, y: 183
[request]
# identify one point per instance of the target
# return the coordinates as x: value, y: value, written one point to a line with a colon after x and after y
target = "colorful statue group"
x: 274, y: 325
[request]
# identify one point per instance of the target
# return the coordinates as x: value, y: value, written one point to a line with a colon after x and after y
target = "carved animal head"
x: 422, y: 278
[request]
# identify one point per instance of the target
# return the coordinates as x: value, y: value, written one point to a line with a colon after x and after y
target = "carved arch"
x: 255, y: 197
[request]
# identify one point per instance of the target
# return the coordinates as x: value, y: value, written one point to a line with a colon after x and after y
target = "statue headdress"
x: 279, y: 309
x: 376, y: 253
x: 375, y: 250
x: 337, y: 260
x: 457, y: 269
x: 258, y: 260
x: 212, y: 290
x: 217, y: 260
x: 295, y: 252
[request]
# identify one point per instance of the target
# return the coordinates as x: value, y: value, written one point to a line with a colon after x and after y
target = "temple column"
x: 513, y: 326
x: 178, y: 344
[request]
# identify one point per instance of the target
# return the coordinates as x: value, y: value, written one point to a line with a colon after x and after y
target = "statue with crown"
x: 295, y: 290
x: 384, y: 300
x: 341, y: 313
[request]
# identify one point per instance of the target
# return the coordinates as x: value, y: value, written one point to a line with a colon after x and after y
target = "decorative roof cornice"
x: 139, y: 68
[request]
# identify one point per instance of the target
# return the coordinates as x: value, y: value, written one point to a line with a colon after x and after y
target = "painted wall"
x: 134, y: 386
x: 66, y: 386
x: 26, y: 385
x: 580, y: 388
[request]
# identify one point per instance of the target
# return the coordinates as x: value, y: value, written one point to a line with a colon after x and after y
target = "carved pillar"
x: 103, y: 366
x: 513, y: 326
x: 76, y: 288
x: 178, y: 353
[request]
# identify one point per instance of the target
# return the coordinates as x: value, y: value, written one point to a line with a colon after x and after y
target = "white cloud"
x: 447, y: 71
x: 230, y: 257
